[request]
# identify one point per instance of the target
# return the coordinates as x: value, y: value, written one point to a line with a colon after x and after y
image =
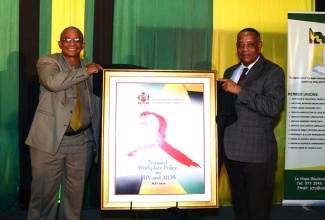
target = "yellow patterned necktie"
x: 76, y: 117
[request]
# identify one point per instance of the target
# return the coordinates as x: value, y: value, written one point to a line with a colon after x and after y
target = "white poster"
x: 305, y: 139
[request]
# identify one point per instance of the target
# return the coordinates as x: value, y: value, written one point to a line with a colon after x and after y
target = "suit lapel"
x: 67, y: 67
x: 254, y: 71
x: 88, y: 84
x: 231, y: 71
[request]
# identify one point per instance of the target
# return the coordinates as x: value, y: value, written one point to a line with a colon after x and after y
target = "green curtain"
x: 45, y: 27
x: 9, y: 92
x: 165, y: 34
x: 89, y: 28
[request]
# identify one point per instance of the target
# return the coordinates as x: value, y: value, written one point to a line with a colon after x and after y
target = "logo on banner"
x: 143, y: 98
x: 317, y: 52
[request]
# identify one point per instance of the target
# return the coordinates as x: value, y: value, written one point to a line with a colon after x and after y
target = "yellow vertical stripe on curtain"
x: 270, y: 18
x: 66, y: 13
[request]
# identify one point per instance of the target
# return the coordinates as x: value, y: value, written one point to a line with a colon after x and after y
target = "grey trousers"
x: 69, y: 167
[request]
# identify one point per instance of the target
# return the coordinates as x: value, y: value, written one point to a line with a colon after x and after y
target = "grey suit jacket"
x: 251, y: 138
x: 56, y: 103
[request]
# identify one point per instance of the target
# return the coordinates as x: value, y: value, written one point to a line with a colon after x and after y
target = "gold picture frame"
x: 159, y: 147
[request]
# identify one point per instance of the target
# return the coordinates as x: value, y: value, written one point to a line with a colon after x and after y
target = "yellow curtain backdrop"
x: 270, y: 19
x: 66, y: 13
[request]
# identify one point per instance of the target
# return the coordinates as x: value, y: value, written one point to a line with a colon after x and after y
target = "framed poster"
x: 159, y: 147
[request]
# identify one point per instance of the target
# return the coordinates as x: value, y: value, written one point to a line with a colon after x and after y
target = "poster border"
x: 151, y: 76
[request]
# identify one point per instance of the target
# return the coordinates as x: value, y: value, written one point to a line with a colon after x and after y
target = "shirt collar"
x: 250, y: 65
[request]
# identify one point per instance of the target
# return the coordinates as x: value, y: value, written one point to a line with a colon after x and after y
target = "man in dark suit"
x: 249, y: 143
x: 62, y: 146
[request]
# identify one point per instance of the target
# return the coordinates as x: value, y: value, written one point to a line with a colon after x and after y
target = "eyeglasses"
x: 242, y: 45
x: 69, y: 40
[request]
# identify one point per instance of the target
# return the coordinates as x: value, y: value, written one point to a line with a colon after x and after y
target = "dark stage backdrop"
x: 29, y: 29
x: 28, y: 86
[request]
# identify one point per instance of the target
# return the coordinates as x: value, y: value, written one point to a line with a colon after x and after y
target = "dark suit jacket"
x: 226, y: 115
x: 251, y: 138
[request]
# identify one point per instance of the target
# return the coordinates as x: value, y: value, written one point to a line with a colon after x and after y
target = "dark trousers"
x: 252, y: 186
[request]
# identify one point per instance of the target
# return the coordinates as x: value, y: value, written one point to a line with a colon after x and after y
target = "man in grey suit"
x: 62, y: 146
x: 249, y: 143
